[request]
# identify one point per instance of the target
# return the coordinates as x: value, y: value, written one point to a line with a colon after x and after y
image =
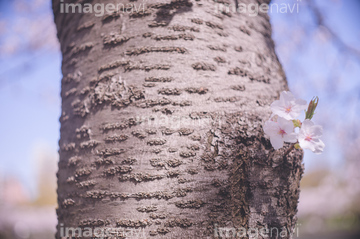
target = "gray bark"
x: 161, y: 125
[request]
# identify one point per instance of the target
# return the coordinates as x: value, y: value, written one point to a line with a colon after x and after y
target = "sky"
x: 30, y: 75
x: 315, y: 66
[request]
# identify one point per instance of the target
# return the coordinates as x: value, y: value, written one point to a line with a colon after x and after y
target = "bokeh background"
x: 318, y: 44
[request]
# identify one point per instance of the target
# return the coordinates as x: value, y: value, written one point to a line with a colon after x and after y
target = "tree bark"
x: 161, y: 125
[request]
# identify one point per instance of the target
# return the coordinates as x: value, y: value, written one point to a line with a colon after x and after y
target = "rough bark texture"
x: 161, y: 125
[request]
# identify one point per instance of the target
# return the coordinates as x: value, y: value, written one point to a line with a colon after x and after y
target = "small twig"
x: 289, y: 149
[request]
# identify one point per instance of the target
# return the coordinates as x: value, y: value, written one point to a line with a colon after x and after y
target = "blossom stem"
x: 289, y: 149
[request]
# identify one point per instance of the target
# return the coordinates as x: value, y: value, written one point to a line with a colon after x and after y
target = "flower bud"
x: 311, y: 109
x: 297, y: 123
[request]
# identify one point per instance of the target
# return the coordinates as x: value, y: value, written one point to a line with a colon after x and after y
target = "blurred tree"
x: 161, y: 125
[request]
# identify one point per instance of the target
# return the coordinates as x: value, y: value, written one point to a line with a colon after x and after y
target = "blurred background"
x: 318, y: 45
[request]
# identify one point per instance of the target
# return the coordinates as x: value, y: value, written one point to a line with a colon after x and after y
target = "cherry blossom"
x: 309, y: 137
x: 282, y: 123
x: 288, y: 106
x: 280, y: 132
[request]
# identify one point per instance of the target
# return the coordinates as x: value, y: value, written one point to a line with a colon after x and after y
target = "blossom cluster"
x: 282, y: 123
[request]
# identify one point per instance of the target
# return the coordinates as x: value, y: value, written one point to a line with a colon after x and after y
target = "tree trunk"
x: 161, y: 125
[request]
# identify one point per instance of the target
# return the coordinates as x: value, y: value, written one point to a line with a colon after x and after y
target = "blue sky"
x: 30, y: 81
x: 31, y: 105
x: 316, y: 66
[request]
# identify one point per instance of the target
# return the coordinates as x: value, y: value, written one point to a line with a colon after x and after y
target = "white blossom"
x: 280, y: 132
x: 309, y: 137
x: 288, y: 106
